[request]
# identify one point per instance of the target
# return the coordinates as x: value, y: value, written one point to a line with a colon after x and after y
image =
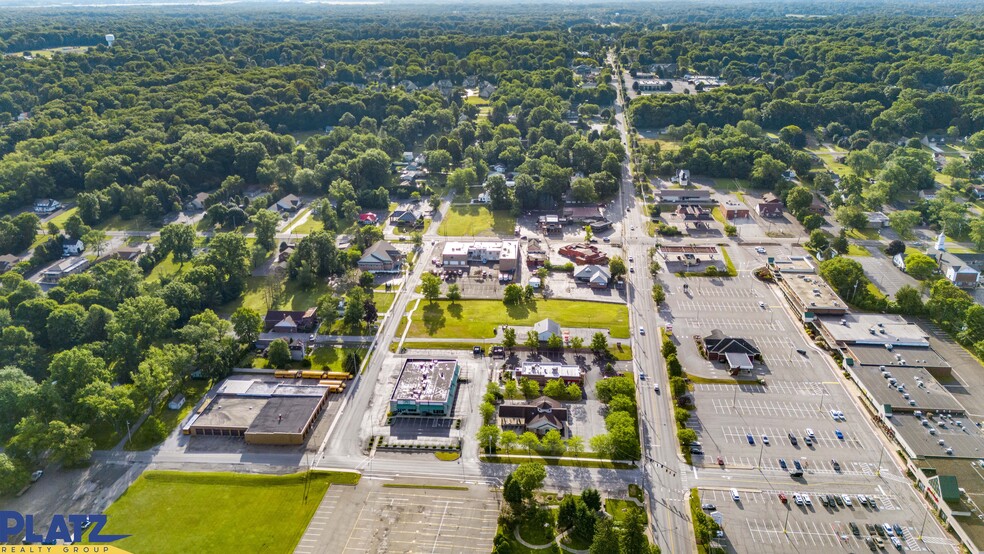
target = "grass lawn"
x: 292, y: 297
x: 167, y: 268
x: 383, y: 300
x: 49, y: 52
x: 115, y: 223
x: 875, y: 291
x: 61, y: 218
x: 863, y: 234
x: 309, y: 226
x: 476, y: 221
x: 330, y: 358
x: 719, y: 215
x: 732, y: 185
x: 857, y: 250
x: 432, y: 345
x: 301, y: 136
x: 166, y: 511
x: 838, y: 168
x: 478, y: 318
x: 537, y: 533
x: 193, y: 390
x: 619, y: 509
x: 477, y: 100
x: 623, y: 353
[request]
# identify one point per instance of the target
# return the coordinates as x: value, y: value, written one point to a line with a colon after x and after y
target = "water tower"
x: 110, y: 39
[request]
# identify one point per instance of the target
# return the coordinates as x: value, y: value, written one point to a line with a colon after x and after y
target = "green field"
x: 330, y: 358
x: 291, y: 297
x: 170, y: 511
x: 476, y: 319
x: 857, y: 250
x: 383, y: 300
x: 61, y: 218
x: 49, y: 52
x: 477, y: 100
x: 309, y: 226
x: 476, y: 221
x: 193, y: 390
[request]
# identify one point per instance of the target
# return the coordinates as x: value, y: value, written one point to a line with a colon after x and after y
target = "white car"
x: 806, y: 500
x: 36, y: 475
x: 847, y: 500
x: 760, y: 250
x: 798, y: 500
x: 630, y: 259
x: 642, y: 331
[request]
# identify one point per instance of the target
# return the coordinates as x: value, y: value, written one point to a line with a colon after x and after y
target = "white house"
x: 46, y: 206
x: 72, y: 248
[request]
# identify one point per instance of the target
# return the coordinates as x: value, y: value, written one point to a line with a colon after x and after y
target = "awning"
x: 739, y: 361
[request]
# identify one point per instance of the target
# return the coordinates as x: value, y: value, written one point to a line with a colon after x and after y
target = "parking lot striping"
x: 785, y: 388
x: 742, y: 324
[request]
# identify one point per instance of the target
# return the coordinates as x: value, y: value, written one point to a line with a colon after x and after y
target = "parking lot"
x: 370, y: 518
x: 760, y: 522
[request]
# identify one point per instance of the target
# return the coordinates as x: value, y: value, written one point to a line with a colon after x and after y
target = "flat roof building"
x: 873, y: 329
x: 811, y: 296
x: 505, y: 253
x: 261, y: 410
x: 792, y: 264
x: 425, y: 387
x: 542, y: 372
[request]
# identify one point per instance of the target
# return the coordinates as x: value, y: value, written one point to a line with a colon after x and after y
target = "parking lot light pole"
x: 785, y: 530
x: 761, y: 451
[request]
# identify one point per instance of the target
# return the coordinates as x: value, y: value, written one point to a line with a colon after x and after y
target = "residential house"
x: 406, y: 217
x: 963, y: 270
x: 46, y: 206
x: 545, y: 328
x: 66, y: 267
x: 928, y: 194
x: 409, y: 86
x: 538, y: 416
x: 7, y: 262
x: 876, y: 220
x: 544, y: 372
x: 381, y: 257
x: 288, y: 321
x: 817, y: 207
x: 289, y: 203
x: 72, y: 248
x: 177, y: 402
x: 470, y: 81
x: 737, y: 352
x: 126, y: 253
x: 770, y: 206
x: 683, y: 177
x: 536, y: 255
x: 486, y: 90
x: 595, y: 276
x: 368, y: 218
x: 978, y: 192
x: 197, y: 202
x: 285, y: 252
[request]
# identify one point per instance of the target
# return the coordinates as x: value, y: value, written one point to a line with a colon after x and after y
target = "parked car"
x: 36, y: 475
x: 798, y: 500
x: 734, y: 495
x: 792, y: 439
x: 782, y: 498
x: 806, y: 500
x: 863, y: 499
x: 847, y: 500
x: 796, y: 464
x: 720, y: 461
x: 869, y: 528
x: 835, y: 464
x: 782, y: 464
x: 888, y: 530
x: 898, y: 530
x: 765, y: 440
x: 839, y: 434
x: 838, y: 500
x: 708, y: 507
x: 808, y: 441
x: 854, y: 529
x: 897, y: 544
x: 751, y: 439
x: 870, y: 543
x: 809, y: 433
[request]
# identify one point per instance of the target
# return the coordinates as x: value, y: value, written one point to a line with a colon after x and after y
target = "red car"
x: 720, y: 461
x: 782, y: 498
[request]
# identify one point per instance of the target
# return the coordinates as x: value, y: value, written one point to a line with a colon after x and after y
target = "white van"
x: 734, y: 495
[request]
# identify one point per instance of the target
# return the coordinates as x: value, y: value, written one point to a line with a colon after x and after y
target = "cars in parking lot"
x: 880, y: 530
x: 835, y: 465
x: 888, y: 529
x: 898, y: 530
x: 838, y: 500
x: 839, y: 434
x: 782, y: 464
x: 862, y: 499
x: 870, y: 543
x: 798, y: 500
x: 765, y: 440
x: 879, y: 543
x: 708, y: 507
x: 897, y: 543
x: 734, y: 495
x: 871, y: 504
x: 797, y: 465
x: 751, y: 439
x: 792, y: 439
x: 782, y: 498
x: 847, y: 500
x: 808, y: 441
x: 869, y: 528
x: 855, y: 529
x: 806, y: 500
x: 810, y: 434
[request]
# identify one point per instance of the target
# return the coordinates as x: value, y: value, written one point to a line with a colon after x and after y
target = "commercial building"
x: 542, y: 372
x: 425, y: 387
x: 381, y: 257
x: 550, y: 224
x: 583, y: 214
x: 792, y: 264
x: 583, y: 253
x: 733, y: 211
x: 810, y: 295
x: 545, y: 328
x: 63, y: 269
x: 684, y: 196
x: 737, y: 352
x: 263, y: 411
x: 595, y: 276
x: 652, y: 85
x: 505, y: 253
x: 871, y: 329
x: 539, y: 416
x: 536, y: 255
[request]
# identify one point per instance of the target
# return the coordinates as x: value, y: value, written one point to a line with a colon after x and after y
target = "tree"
x: 616, y: 267
x: 532, y: 340
x: 895, y: 247
x: 511, y: 390
x: 529, y: 475
x: 529, y: 441
x: 161, y: 369
x: 265, y: 227
x: 95, y: 240
x: 798, y: 200
x: 633, y: 536
x: 454, y: 293
x: 846, y: 276
x: 462, y: 178
x: 369, y: 312
x: 530, y: 388
x: 599, y: 342
x: 591, y: 498
x: 793, y: 136
x: 229, y: 254
x: 767, y: 171
x: 69, y: 445
x: 509, y: 338
x: 903, y: 221
x: 577, y: 343
x: 430, y: 286
x: 327, y: 310
x: 818, y: 241
x: 13, y: 476
x: 278, y: 354
x: 555, y: 389
x: 812, y: 222
x: 487, y: 437
x: 862, y: 162
x: 507, y: 439
x: 573, y: 392
x: 70, y: 371
x: 678, y: 387
x: 567, y: 511
x: 908, y: 301
x: 18, y: 394
x: 851, y: 217
x: 552, y: 442
x: 588, y: 233
x: 247, y: 323
x: 179, y: 240
x: 977, y: 233
x: 65, y: 326
x: 575, y: 445
x: 606, y: 539
x: 920, y: 266
x: 512, y: 492
x: 687, y: 436
x: 512, y: 294
x: 839, y: 243
x: 488, y: 412
x: 355, y: 308
x: 609, y: 388
x: 554, y: 342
